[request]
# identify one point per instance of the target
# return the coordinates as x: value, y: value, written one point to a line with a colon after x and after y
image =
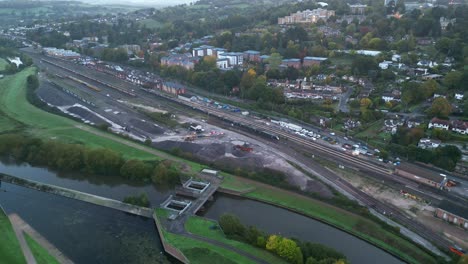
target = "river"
x: 84, y: 232
x: 64, y: 221
x: 275, y: 220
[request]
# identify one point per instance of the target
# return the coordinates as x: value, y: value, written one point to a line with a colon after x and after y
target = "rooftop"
x: 421, y: 172
x: 315, y: 58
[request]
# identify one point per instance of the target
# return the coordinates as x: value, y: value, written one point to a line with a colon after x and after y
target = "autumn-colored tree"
x: 272, y: 243
x: 247, y: 81
x: 440, y: 107
x: 366, y: 103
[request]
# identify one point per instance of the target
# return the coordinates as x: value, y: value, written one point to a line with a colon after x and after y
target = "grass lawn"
x: 372, y: 131
x: 202, y: 227
x: 350, y: 222
x: 199, y: 252
x: 233, y: 183
x: 40, y: 254
x: 3, y: 64
x: 10, y: 250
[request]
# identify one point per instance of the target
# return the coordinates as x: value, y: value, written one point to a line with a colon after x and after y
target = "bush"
x: 136, y: 170
x: 138, y: 200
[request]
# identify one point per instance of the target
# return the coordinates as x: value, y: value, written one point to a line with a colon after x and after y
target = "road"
x: 343, y: 104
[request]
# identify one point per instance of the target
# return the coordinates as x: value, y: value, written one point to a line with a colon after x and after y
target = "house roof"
x: 436, y: 120
x: 315, y: 58
x: 252, y: 52
x: 292, y: 60
x: 460, y: 124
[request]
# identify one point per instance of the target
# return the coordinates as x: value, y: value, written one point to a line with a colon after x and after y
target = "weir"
x: 85, y: 197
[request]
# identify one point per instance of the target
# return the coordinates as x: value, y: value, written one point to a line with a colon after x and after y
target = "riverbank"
x: 12, y: 252
x: 191, y: 250
x: 351, y: 223
x: 17, y: 115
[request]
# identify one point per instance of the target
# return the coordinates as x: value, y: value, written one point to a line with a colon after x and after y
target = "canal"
x: 275, y: 220
x: 64, y: 221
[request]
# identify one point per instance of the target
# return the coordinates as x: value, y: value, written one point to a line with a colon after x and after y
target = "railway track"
x: 377, y: 205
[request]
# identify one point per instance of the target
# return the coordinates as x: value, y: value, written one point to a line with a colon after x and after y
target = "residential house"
x: 357, y: 9
x: 295, y: 63
x: 183, y: 60
x: 427, y: 143
x: 235, y: 58
x: 385, y: 64
x: 439, y: 123
x: 264, y: 58
x: 413, y: 122
x: 202, y: 51
x: 459, y: 95
x: 389, y: 97
x: 131, y: 49
x: 396, y: 58
x: 252, y: 55
x: 460, y: 127
x: 306, y: 16
x: 173, y: 88
x: 222, y: 63
x: 427, y: 63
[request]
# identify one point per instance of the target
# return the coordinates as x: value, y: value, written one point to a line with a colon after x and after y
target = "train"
x: 92, y: 87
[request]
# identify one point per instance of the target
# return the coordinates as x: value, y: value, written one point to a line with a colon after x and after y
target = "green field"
x: 199, y: 252
x: 233, y: 183
x: 10, y: 250
x: 203, y: 227
x: 17, y: 114
x: 352, y: 223
x: 40, y: 254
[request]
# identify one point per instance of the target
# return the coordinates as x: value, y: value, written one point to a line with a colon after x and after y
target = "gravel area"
x: 87, y: 115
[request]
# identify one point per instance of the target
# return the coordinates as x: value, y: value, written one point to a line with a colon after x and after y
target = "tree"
x: 453, y: 79
x: 366, y: 103
x: 428, y: 88
x: 463, y: 259
x: 247, y: 81
x: 160, y: 174
x: 440, y: 107
x: 289, y: 250
x: 363, y: 64
x: 274, y: 61
x: 103, y: 161
x: 272, y: 243
x: 231, y: 225
x: 135, y: 170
